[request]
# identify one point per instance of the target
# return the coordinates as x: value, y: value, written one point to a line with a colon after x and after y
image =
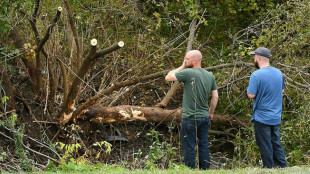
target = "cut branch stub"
x: 110, y: 49
x: 93, y: 42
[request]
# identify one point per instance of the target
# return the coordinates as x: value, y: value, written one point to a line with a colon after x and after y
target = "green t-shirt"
x: 198, y: 84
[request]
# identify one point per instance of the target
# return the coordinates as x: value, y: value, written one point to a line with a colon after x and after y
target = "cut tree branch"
x: 109, y: 49
x: 49, y: 31
x: 33, y: 20
x: 40, y: 47
x: 33, y: 23
x: 92, y: 56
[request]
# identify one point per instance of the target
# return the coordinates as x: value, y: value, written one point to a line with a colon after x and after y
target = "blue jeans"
x: 268, y: 140
x: 188, y: 138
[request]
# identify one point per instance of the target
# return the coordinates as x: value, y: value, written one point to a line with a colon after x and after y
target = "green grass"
x: 97, y: 169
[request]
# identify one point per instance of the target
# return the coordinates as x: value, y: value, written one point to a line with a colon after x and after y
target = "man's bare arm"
x: 214, y: 100
x: 171, y: 75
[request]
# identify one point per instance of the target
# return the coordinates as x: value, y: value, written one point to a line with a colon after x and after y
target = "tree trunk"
x: 19, y: 42
x: 77, y: 59
x: 40, y: 48
x: 8, y: 89
x: 100, y: 114
x: 67, y: 110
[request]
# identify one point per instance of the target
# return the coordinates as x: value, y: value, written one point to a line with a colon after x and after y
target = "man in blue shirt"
x: 266, y: 87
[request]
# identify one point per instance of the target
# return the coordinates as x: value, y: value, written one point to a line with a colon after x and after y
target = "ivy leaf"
x: 4, y: 99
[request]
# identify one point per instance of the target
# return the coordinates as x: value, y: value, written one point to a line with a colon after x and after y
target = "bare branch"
x: 49, y: 30
x: 109, y: 49
x: 296, y: 83
x: 64, y: 80
x: 73, y: 29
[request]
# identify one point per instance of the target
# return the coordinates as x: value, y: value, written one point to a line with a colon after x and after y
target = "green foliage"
x: 104, y: 146
x: 295, y: 138
x: 16, y: 131
x: 13, y: 118
x: 20, y: 149
x: 72, y: 161
x: 160, y: 152
x: 179, y: 169
x: 68, y: 149
x: 4, y: 99
x: 3, y: 156
x: 246, y: 151
x: 7, y: 11
x: 155, y: 32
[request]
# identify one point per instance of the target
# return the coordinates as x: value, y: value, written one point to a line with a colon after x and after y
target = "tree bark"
x: 69, y: 103
x: 40, y: 47
x: 114, y: 87
x: 33, y: 23
x: 8, y: 88
x: 19, y: 42
x: 66, y: 113
x: 76, y: 60
x: 100, y: 114
x: 64, y: 80
x: 33, y: 20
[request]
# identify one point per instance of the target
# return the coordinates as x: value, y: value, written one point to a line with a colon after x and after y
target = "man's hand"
x: 171, y: 75
x: 251, y: 96
x: 183, y: 64
x: 211, y: 116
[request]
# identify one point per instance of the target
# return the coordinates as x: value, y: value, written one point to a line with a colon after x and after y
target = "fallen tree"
x: 101, y: 114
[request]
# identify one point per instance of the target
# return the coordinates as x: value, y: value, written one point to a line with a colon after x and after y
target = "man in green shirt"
x: 198, y: 85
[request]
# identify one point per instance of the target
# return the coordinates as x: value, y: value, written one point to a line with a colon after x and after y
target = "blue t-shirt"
x: 267, y: 84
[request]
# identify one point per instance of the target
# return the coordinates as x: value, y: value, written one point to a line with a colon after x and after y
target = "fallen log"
x: 101, y: 114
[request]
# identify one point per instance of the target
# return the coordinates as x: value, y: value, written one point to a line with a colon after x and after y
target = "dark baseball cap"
x: 262, y: 51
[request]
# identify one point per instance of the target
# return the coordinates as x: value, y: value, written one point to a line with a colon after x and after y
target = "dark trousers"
x: 188, y: 138
x: 268, y: 140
